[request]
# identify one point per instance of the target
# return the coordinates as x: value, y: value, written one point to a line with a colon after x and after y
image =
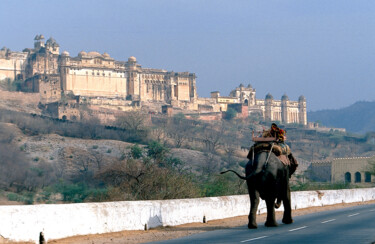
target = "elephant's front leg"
x: 254, y: 202
x: 287, y: 218
x: 271, y: 220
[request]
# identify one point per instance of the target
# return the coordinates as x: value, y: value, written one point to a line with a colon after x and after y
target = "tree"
x: 230, y: 114
x: 211, y: 165
x: 138, y: 180
x: 212, y: 136
x: 14, y: 166
x: 135, y: 123
x: 179, y: 129
x: 157, y: 152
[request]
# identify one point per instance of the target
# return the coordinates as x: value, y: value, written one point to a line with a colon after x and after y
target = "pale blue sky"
x: 324, y: 50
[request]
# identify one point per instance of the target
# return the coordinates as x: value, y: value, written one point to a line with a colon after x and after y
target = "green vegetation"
x: 136, y: 151
x: 11, y: 85
x: 230, y: 114
x: 24, y: 197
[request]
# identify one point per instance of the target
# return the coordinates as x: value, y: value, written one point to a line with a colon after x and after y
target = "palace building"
x: 284, y: 110
x: 100, y: 80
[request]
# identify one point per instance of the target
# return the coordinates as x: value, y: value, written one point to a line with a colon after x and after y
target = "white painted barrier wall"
x: 23, y: 223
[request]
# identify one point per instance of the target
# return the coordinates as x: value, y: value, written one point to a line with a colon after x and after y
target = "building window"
x: 45, y: 92
x: 367, y: 177
x: 358, y: 177
x: 348, y: 177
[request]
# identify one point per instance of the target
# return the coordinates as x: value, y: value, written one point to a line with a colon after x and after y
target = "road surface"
x: 347, y: 225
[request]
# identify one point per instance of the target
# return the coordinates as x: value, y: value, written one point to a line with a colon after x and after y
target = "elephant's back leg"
x: 271, y: 218
x: 287, y: 217
x: 254, y: 202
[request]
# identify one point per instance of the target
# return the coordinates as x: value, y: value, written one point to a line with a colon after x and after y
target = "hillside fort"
x: 98, y: 79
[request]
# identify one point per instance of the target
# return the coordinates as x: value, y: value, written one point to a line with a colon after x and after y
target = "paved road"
x: 348, y: 225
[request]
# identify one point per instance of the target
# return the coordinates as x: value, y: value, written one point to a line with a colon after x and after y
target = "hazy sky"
x: 324, y: 50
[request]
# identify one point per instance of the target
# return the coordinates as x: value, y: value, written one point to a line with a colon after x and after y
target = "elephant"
x: 268, y: 178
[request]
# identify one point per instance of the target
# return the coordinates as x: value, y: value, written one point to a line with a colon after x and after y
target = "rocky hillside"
x: 20, y: 101
x: 62, y: 152
x: 56, y: 146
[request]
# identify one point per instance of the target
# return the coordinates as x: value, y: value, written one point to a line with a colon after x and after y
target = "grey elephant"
x: 268, y: 178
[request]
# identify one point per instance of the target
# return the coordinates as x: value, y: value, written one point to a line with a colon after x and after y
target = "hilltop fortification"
x: 99, y: 80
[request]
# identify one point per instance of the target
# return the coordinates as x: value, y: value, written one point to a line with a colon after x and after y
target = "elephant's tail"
x: 240, y: 176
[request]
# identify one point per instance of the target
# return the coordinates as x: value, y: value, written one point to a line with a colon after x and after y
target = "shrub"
x: 13, y: 197
x: 23, y: 147
x: 26, y: 197
x: 80, y: 192
x: 223, y: 185
x: 157, y: 151
x: 136, y: 151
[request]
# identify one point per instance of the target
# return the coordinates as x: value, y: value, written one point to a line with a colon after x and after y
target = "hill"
x: 357, y: 118
x: 51, y: 160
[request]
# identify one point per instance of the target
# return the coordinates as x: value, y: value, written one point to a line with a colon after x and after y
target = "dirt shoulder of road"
x: 166, y: 233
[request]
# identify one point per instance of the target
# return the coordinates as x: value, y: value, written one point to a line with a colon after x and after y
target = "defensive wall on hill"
x: 24, y: 223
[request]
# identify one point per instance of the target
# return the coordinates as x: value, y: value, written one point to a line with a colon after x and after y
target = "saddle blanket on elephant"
x: 281, y: 150
x: 278, y: 149
x: 284, y: 159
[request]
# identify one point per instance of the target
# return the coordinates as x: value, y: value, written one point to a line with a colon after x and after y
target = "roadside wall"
x: 23, y: 223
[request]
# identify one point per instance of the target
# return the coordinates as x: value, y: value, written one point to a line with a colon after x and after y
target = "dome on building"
x: 284, y: 97
x: 301, y: 98
x: 106, y: 55
x: 269, y: 96
x: 65, y: 53
x: 82, y: 53
x: 132, y: 59
x: 249, y: 86
x: 241, y: 85
x: 52, y: 42
x: 41, y: 37
x: 94, y: 54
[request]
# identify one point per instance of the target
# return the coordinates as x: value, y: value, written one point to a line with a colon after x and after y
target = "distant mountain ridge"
x: 357, y: 118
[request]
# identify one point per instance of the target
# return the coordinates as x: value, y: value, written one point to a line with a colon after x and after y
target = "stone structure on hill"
x: 100, y: 80
x: 12, y: 64
x: 342, y: 170
x: 284, y: 110
x: 98, y: 75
